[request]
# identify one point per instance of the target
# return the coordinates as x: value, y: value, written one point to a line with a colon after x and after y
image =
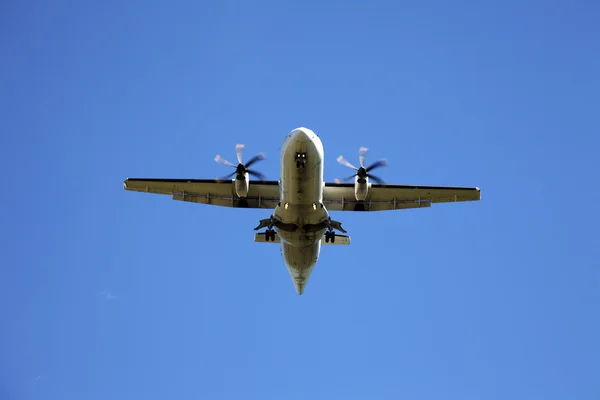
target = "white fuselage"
x: 301, y: 206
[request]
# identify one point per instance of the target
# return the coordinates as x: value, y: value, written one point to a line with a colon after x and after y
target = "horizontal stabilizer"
x: 261, y: 237
x: 339, y: 239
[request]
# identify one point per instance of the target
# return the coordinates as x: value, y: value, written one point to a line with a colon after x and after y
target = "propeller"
x: 362, y: 172
x: 242, y: 168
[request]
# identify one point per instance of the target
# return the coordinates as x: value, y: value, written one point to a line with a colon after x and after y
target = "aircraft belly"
x: 301, y: 205
x: 301, y: 193
x: 300, y: 262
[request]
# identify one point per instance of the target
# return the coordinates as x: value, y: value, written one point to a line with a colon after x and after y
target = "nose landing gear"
x: 300, y: 160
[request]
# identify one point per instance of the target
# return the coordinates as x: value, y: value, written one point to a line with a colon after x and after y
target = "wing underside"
x: 336, y: 196
x: 340, y: 196
x: 261, y: 194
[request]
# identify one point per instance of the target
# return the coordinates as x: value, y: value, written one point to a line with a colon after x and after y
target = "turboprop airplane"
x: 300, y: 199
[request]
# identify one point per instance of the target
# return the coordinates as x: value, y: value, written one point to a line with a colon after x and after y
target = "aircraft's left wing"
x: 261, y: 194
x: 340, y: 196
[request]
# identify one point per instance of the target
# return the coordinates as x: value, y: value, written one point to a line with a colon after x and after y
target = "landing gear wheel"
x: 270, y: 235
x: 327, y: 236
x: 332, y: 236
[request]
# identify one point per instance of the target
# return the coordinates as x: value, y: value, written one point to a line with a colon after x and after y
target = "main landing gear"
x: 330, y: 233
x: 329, y: 237
x: 269, y: 232
x: 270, y: 235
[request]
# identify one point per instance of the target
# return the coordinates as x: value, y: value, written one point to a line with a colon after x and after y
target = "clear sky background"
x: 107, y: 294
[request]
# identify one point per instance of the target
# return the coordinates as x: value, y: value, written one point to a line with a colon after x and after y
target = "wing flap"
x: 236, y: 202
x: 354, y: 205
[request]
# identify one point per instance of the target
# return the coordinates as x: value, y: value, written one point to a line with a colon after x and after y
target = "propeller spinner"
x: 242, y: 168
x: 362, y: 172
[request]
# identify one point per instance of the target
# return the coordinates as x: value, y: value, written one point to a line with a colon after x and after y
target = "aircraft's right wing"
x: 340, y: 196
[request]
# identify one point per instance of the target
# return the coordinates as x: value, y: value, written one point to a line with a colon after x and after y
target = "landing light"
x: 286, y: 206
x: 314, y: 206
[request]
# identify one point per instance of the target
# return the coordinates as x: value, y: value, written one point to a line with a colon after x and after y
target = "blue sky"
x: 107, y: 294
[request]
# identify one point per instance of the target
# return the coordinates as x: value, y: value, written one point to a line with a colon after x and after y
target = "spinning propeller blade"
x: 238, y: 150
x: 362, y: 172
x: 241, y: 168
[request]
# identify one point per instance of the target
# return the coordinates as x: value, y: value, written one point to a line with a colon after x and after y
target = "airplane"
x: 301, y: 201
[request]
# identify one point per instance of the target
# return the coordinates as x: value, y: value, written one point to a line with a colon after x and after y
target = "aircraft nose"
x: 301, y: 136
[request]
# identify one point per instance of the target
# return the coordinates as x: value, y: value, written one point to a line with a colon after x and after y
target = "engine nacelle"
x: 242, y: 183
x: 361, y: 188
